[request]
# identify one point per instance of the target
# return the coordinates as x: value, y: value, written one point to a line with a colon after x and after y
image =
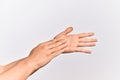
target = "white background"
x: 25, y: 23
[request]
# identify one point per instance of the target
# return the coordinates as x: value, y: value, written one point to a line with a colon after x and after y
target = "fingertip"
x: 91, y: 33
x: 96, y: 40
x: 88, y: 51
x: 69, y: 29
x: 94, y: 44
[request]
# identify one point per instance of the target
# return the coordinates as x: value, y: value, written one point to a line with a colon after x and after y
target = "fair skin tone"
x: 43, y: 53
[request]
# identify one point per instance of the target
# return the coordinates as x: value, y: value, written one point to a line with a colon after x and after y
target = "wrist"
x: 1, y: 69
x: 31, y: 63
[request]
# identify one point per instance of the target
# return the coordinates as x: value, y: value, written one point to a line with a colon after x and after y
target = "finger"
x: 81, y: 35
x: 52, y: 41
x: 68, y: 30
x: 83, y: 44
x: 58, y: 47
x: 55, y: 54
x: 87, y: 40
x: 65, y: 32
x: 58, y: 43
x: 78, y: 49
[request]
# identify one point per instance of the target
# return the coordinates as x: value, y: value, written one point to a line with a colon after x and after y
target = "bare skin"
x: 39, y: 57
x: 77, y: 42
x: 45, y: 52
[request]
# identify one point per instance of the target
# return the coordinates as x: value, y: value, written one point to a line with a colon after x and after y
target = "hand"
x: 77, y: 42
x: 45, y: 52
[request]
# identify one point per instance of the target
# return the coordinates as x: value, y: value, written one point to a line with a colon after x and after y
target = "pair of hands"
x: 62, y: 43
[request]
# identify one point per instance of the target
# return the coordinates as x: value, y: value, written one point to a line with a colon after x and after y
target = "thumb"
x: 65, y: 32
x: 68, y: 30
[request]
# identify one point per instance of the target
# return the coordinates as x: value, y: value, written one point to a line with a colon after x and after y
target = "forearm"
x: 20, y: 71
x: 40, y: 56
x: 10, y: 65
x: 1, y: 69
